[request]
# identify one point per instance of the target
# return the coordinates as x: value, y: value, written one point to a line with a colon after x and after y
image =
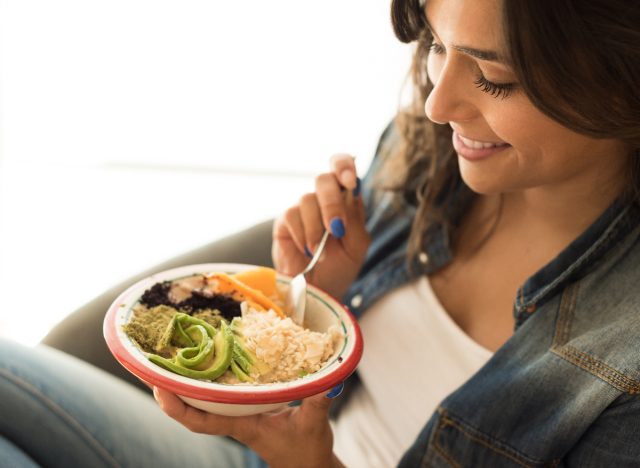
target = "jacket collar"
x: 579, y: 257
x: 575, y: 261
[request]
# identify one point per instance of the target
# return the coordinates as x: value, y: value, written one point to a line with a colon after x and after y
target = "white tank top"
x: 414, y: 356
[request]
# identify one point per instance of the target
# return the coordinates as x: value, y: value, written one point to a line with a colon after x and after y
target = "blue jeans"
x: 56, y: 410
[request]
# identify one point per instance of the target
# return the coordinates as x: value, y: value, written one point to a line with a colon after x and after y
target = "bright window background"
x: 135, y: 130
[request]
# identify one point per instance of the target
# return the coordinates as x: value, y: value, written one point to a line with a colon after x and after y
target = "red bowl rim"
x: 297, y: 389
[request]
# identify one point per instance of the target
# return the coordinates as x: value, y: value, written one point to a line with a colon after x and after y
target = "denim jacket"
x: 564, y: 390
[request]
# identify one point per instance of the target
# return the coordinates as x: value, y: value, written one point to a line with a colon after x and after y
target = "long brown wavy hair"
x: 578, y: 61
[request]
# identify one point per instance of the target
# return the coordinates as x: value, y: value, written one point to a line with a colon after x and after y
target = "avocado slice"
x: 239, y: 373
x: 244, y: 362
x: 196, y: 355
x: 211, y: 368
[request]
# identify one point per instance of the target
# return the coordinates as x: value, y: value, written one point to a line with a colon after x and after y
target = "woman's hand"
x: 336, y: 205
x: 295, y: 436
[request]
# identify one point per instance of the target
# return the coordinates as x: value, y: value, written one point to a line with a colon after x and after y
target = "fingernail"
x: 347, y: 175
x: 337, y: 227
x: 356, y: 191
x: 336, y: 391
x: 307, y: 252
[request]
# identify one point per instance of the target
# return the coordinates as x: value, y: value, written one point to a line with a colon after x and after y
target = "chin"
x: 483, y: 183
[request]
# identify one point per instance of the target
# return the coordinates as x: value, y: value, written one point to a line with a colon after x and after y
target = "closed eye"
x: 436, y: 48
x: 497, y: 90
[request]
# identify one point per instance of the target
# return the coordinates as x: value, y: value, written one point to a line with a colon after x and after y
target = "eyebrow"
x: 488, y: 55
x: 480, y: 54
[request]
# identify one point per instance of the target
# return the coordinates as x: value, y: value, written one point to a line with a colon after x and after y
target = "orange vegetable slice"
x: 262, y: 278
x: 226, y: 284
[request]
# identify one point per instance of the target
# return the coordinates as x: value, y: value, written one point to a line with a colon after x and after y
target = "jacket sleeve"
x: 613, y: 439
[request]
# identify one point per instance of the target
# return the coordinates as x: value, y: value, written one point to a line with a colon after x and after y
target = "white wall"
x: 134, y: 130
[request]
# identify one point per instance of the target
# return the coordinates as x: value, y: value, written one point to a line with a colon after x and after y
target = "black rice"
x: 158, y: 294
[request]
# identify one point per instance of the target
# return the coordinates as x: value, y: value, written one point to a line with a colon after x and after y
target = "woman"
x: 494, y: 245
x: 519, y: 209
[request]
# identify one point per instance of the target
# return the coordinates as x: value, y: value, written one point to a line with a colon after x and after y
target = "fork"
x: 297, y: 296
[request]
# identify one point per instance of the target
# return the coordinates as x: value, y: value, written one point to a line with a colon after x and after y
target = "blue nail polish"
x: 307, y: 252
x: 336, y: 391
x: 337, y: 227
x: 356, y: 191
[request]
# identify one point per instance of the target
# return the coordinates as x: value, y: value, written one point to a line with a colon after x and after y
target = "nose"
x: 449, y: 100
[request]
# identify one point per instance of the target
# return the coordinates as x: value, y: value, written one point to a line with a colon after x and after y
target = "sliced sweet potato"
x: 230, y: 285
x: 262, y: 278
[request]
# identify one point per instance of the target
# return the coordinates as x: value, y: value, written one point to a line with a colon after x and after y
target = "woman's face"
x: 504, y: 143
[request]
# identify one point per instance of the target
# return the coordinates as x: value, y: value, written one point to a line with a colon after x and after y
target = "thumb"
x: 317, y: 406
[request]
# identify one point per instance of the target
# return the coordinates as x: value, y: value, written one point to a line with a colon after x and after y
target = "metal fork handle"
x: 317, y: 253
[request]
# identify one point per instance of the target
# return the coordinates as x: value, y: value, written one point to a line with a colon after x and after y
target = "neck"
x: 541, y: 221
x: 563, y: 211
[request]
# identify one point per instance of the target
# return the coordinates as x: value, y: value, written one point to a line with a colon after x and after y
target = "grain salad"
x: 232, y: 329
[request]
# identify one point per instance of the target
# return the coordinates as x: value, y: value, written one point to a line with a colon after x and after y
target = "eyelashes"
x: 436, y: 48
x: 497, y: 90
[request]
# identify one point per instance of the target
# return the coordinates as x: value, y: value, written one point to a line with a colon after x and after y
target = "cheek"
x: 515, y: 122
x: 509, y: 130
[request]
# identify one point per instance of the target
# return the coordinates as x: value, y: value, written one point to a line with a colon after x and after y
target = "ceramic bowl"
x: 242, y: 399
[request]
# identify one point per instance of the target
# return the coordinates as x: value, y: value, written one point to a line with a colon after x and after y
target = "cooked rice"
x: 290, y: 350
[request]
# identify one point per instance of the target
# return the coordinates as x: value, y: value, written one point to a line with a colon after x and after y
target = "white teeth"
x: 478, y: 144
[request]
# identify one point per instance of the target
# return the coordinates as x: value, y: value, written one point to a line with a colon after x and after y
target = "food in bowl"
x: 323, y: 313
x: 229, y: 328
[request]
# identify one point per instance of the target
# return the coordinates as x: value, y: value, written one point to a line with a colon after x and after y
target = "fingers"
x: 332, y: 204
x: 192, y: 418
x: 344, y: 167
x: 290, y: 226
x: 311, y: 215
x: 332, y: 196
x: 336, y: 206
x: 301, y: 224
x: 298, y: 436
x: 175, y: 408
x: 326, y: 208
x: 315, y: 408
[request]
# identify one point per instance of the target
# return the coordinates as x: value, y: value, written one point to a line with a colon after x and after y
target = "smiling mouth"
x: 476, y: 144
x: 476, y: 150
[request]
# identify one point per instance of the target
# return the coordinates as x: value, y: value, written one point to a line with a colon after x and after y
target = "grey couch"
x: 80, y: 334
